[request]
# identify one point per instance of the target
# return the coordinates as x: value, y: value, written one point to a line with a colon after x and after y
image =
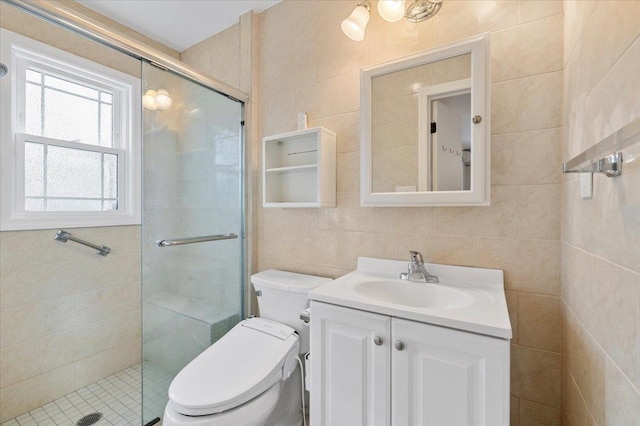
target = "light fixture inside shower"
x: 354, y: 25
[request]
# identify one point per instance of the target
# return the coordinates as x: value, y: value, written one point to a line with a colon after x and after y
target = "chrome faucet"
x: 417, y: 271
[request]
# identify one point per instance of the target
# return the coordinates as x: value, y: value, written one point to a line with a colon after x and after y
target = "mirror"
x: 424, y: 136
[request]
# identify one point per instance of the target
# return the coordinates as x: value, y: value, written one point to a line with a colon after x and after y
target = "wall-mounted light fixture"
x: 154, y: 100
x: 390, y: 10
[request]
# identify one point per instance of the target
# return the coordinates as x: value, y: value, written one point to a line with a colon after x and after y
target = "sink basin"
x: 418, y: 295
x: 468, y: 299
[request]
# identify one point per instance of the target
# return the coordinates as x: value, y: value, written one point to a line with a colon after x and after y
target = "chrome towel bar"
x: 182, y: 241
x: 606, y: 156
x: 63, y: 236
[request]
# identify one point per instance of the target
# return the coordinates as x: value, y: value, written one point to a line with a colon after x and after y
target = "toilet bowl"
x: 251, y: 375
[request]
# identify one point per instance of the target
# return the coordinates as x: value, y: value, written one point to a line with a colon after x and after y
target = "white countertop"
x: 487, y: 313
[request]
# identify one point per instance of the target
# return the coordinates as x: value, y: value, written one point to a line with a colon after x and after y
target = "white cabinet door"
x: 448, y: 377
x: 350, y: 372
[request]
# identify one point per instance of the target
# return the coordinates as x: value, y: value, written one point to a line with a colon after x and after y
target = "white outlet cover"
x: 586, y: 185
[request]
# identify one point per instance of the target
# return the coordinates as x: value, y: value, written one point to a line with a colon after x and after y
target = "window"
x: 71, y: 149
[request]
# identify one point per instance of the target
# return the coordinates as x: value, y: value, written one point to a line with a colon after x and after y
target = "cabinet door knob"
x: 378, y: 340
x: 399, y: 345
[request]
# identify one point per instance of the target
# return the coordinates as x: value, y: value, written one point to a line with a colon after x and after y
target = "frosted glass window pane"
x: 110, y: 176
x: 34, y: 205
x: 110, y: 205
x: 67, y: 86
x: 34, y: 76
x: 106, y: 97
x: 73, y: 173
x: 74, y: 205
x: 33, y: 103
x: 71, y: 118
x: 33, y: 169
x: 106, y: 125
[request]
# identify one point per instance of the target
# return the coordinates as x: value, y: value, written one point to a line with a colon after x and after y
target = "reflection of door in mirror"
x: 450, y: 137
x: 397, y: 162
x: 444, y: 140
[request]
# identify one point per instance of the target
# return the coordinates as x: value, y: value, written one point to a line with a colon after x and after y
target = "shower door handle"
x: 182, y: 241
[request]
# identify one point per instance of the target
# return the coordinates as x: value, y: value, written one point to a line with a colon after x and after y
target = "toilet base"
x: 279, y: 405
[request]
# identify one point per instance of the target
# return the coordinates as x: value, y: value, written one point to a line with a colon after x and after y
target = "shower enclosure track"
x: 78, y: 23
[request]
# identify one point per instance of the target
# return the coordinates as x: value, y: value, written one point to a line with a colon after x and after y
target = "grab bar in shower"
x: 63, y: 236
x: 182, y: 241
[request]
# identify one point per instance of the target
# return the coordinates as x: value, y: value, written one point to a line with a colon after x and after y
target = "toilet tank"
x: 282, y: 296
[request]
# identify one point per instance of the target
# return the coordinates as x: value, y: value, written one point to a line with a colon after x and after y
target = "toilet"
x: 251, y: 376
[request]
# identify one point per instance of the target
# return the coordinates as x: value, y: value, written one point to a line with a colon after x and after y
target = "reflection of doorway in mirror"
x: 445, y: 137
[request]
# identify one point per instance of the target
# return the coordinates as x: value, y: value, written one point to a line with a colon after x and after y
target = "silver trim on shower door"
x: 182, y: 241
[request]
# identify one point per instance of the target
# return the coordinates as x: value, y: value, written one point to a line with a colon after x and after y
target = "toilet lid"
x: 244, y: 363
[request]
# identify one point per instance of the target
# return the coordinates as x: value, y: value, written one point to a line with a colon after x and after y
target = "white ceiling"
x: 178, y: 24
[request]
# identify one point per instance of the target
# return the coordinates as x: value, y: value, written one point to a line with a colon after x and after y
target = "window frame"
x: 20, y: 53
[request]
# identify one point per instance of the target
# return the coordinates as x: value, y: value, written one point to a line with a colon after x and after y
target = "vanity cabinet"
x: 299, y: 169
x: 374, y: 369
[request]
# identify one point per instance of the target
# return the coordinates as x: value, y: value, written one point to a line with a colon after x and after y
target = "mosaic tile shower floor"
x: 117, y: 397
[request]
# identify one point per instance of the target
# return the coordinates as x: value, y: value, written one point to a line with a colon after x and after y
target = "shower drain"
x: 89, y: 419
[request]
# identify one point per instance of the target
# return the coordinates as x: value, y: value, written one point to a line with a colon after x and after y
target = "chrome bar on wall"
x: 74, y: 21
x: 63, y: 236
x: 182, y: 241
x: 606, y: 156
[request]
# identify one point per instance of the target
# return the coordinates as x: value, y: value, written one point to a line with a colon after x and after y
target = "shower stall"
x: 184, y: 262
x: 192, y: 227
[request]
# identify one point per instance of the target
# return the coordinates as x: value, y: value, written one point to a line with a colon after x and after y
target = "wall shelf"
x: 606, y: 156
x: 299, y: 169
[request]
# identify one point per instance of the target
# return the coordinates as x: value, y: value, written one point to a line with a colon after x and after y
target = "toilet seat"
x: 243, y: 364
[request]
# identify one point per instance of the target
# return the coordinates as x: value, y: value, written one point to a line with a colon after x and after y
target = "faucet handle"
x: 416, y: 257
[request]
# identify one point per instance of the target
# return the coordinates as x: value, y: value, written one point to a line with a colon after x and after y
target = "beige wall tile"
x: 65, y: 348
x: 574, y: 409
x: 531, y: 10
x: 623, y: 399
x: 22, y: 397
x: 530, y: 265
x: 512, y: 305
x: 577, y: 13
x: 498, y: 220
x: 526, y: 158
x: 588, y: 368
x: 514, y: 412
x: 529, y: 49
x: 529, y: 103
x: 460, y: 19
x: 19, y: 362
x: 538, y: 211
x: 535, y: 375
x: 354, y: 244
x: 533, y: 414
x: 27, y: 322
x: 539, y: 323
x: 450, y: 250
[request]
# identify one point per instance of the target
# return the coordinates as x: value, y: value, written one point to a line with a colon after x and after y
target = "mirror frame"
x: 479, y: 193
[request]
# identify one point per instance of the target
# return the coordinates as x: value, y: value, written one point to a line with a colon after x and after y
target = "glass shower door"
x: 192, y: 188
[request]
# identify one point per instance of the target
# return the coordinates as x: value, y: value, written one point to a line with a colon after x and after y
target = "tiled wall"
x: 217, y: 56
x: 67, y: 316
x: 307, y: 64
x: 601, y: 236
